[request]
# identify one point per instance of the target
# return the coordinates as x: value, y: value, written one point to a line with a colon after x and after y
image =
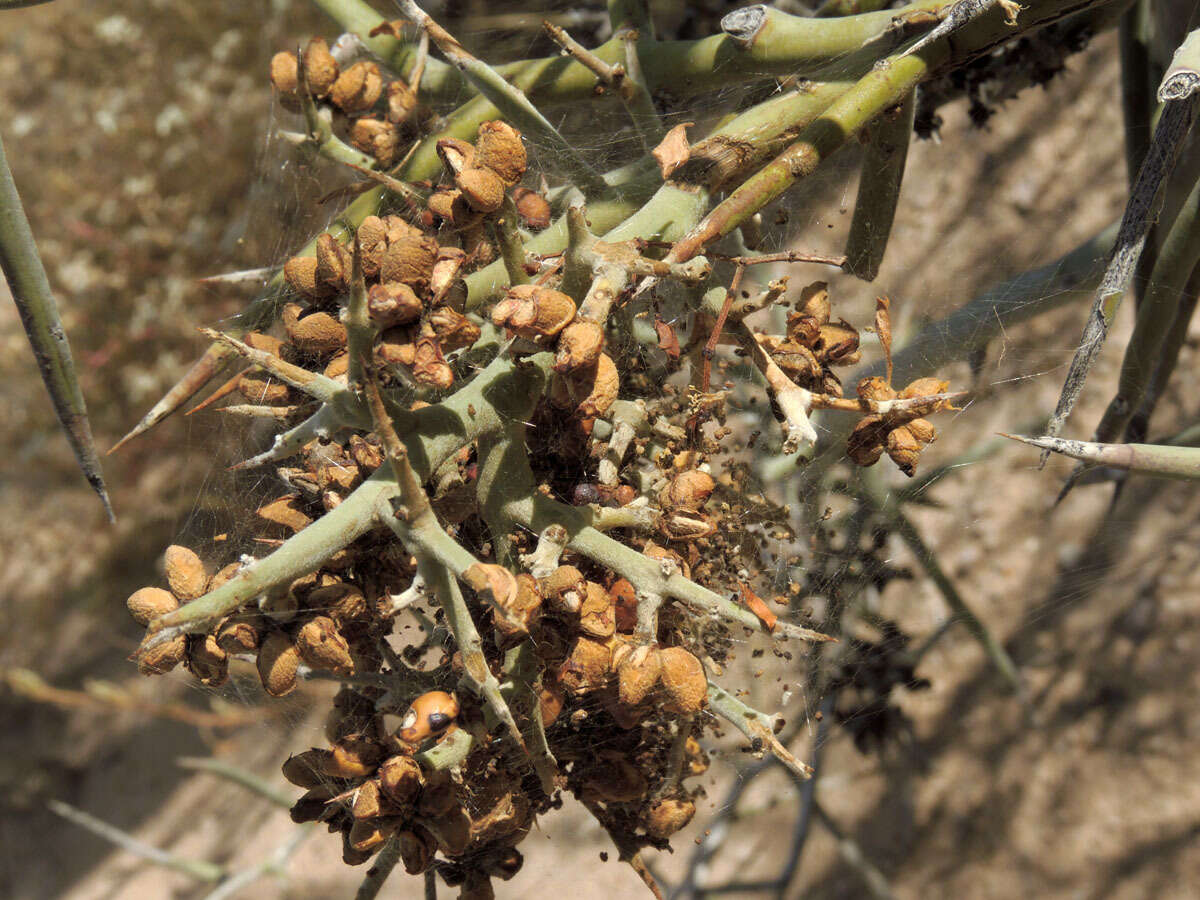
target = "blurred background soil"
x: 137, y: 132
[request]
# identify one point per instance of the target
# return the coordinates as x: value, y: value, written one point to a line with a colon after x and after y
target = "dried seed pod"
x: 685, y: 525
x: 285, y: 511
x: 904, y: 449
x: 278, y: 660
x: 688, y: 490
x: 343, y: 603
x: 301, y: 273
x: 322, y: 646
x: 409, y: 259
x: 446, y: 284
x: 429, y: 366
x: 454, y: 331
x: 320, y: 68
x: 533, y: 208
x: 522, y: 610
x: 429, y: 715
x: 814, y: 302
x: 838, y: 344
x: 579, y: 347
x: 500, y: 149
x: 598, y: 613
x: 368, y: 802
x: 481, y: 188
x: 865, y: 444
x: 398, y: 346
x: 803, y: 329
x: 353, y: 757
x: 206, y: 660
x: 637, y: 675
x: 317, y: 332
x: 587, y: 666
x: 351, y: 856
x: 400, y: 780
x: 875, y: 388
x: 685, y: 687
x: 163, y: 656
x: 922, y: 430
x: 358, y: 88
x: 796, y: 360
x: 368, y: 835
x: 924, y: 387
x: 265, y: 342
x: 261, y: 388
x: 339, y: 365
x: 393, y: 303
x: 401, y: 101
x: 441, y: 203
x: 625, y: 601
x: 587, y: 392
x: 307, y: 769
x: 455, y: 154
x: 333, y: 263
x: 534, y: 312
x: 148, y: 603
x: 312, y: 805
x: 668, y: 816
x: 377, y: 138
x: 417, y: 847
x: 238, y: 636
x: 285, y: 78
x: 564, y: 589
x: 372, y: 245
x: 366, y: 455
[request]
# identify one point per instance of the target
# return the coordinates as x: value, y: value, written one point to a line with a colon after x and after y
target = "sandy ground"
x: 135, y: 130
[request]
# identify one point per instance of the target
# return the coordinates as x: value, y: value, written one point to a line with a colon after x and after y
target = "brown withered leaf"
x: 674, y: 149
x: 883, y: 328
x: 758, y: 606
x: 667, y: 339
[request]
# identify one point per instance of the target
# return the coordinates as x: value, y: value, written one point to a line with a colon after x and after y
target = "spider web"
x: 877, y: 580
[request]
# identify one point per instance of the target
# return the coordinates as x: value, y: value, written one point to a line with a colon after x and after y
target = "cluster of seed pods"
x: 554, y: 674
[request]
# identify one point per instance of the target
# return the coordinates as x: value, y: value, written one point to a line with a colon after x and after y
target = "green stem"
x: 512, y: 250
x: 1177, y: 258
x: 509, y: 99
x: 879, y: 189
x: 380, y: 870
x: 1174, y: 124
x: 884, y: 85
x: 1158, y: 460
x: 500, y: 394
x: 757, y: 726
x: 194, y: 868
x: 360, y: 333
x: 475, y: 666
x: 448, y: 752
x: 22, y: 267
x: 237, y: 775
